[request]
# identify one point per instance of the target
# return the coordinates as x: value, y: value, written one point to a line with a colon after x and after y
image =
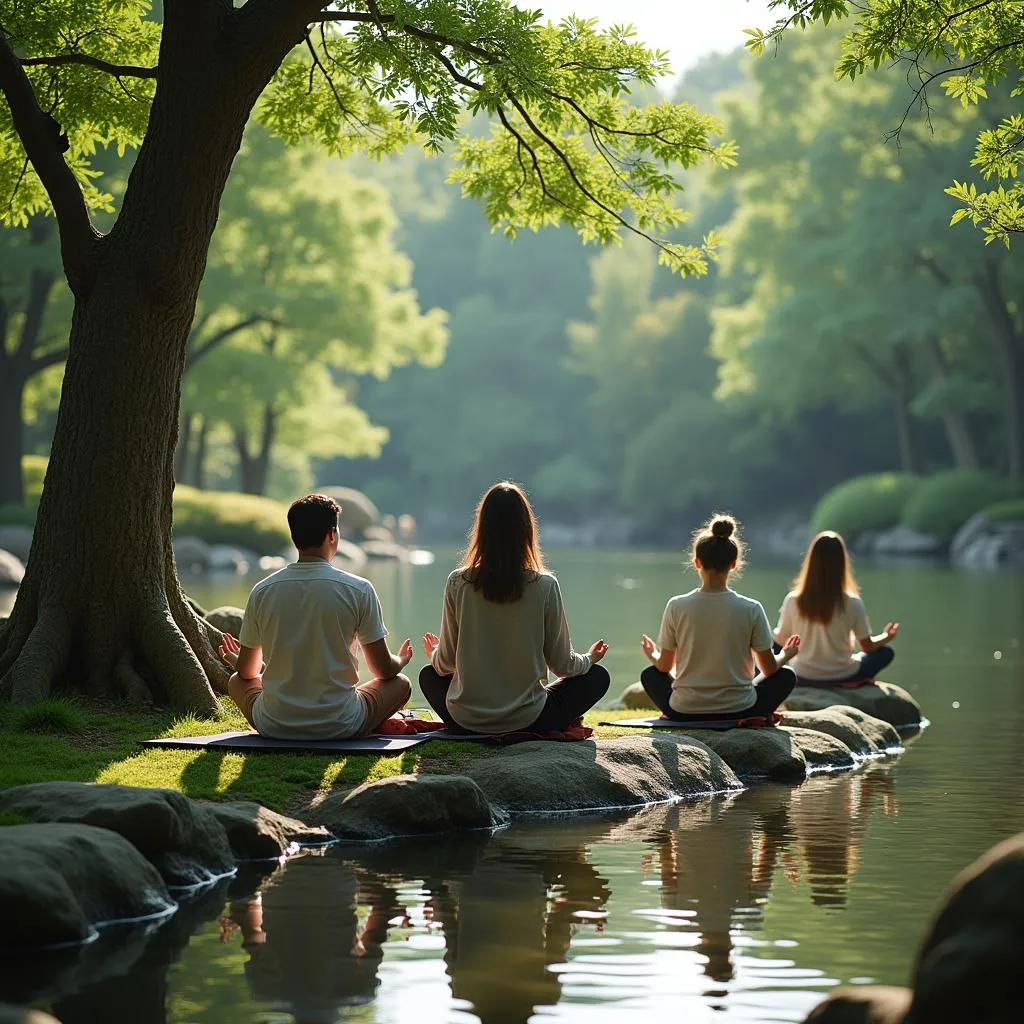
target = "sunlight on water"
x: 742, y: 908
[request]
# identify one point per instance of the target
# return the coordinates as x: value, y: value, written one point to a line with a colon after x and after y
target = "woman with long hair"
x: 702, y: 667
x: 825, y: 608
x: 503, y: 629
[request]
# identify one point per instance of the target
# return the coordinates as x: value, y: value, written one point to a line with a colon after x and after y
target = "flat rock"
x: 227, y: 618
x: 12, y: 572
x: 886, y: 701
x: 183, y: 840
x: 862, y: 1004
x: 58, y: 881
x: 257, y: 833
x: 406, y: 805
x: 191, y: 554
x: 864, y: 734
x: 628, y: 771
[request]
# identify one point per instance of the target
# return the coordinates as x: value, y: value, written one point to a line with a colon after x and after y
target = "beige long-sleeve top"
x: 499, y: 654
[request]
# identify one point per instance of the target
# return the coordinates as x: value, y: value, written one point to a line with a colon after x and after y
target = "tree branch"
x: 221, y: 336
x: 88, y: 60
x: 45, y: 145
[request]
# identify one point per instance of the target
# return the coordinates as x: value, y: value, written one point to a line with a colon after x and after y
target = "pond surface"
x: 746, y: 908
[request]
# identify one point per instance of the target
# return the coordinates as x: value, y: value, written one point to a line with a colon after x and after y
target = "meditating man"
x: 305, y: 620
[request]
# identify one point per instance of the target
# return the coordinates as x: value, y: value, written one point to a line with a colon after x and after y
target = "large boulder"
x: 903, y: 542
x: 24, y: 1015
x: 634, y: 697
x: 228, y: 558
x: 969, y: 964
x: 58, y: 881
x: 983, y: 543
x: 886, y: 701
x: 257, y: 833
x: 227, y: 618
x: 406, y: 805
x: 191, y: 554
x: 628, y: 771
x: 183, y: 840
x: 357, y: 511
x: 17, y: 540
x: 350, y: 557
x: 384, y: 549
x: 12, y: 572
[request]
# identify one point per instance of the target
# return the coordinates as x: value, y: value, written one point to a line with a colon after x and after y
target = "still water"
x: 746, y: 908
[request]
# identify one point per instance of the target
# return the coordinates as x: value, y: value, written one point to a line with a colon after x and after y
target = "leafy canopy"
x: 963, y: 47
x: 568, y: 144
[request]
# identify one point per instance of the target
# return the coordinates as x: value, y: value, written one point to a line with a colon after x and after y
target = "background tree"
x: 567, y: 147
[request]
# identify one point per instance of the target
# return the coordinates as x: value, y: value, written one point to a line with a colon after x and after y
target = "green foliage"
x: 12, y: 818
x: 865, y: 503
x: 964, y: 49
x: 945, y: 501
x: 33, y: 469
x: 17, y: 515
x: 1006, y: 511
x: 53, y: 715
x: 222, y: 517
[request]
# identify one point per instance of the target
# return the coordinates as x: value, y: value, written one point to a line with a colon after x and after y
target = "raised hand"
x: 649, y: 647
x: 430, y: 643
x: 597, y: 651
x: 791, y: 648
x: 405, y: 652
x: 891, y: 629
x: 229, y: 649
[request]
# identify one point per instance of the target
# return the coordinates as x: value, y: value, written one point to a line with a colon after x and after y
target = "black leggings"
x: 568, y: 699
x: 771, y: 692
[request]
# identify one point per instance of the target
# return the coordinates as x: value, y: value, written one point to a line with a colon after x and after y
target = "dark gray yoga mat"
x: 253, y: 741
x: 668, y: 723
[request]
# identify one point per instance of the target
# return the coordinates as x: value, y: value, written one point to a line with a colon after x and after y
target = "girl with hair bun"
x: 702, y: 667
x: 825, y: 607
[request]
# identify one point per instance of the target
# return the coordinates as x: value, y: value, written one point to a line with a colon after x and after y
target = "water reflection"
x: 532, y: 921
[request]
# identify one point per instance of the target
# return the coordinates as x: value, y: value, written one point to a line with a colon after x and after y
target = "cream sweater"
x: 499, y: 654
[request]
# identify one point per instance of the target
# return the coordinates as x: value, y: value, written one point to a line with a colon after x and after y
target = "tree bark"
x: 954, y: 421
x: 1010, y: 348
x: 100, y: 608
x: 181, y: 449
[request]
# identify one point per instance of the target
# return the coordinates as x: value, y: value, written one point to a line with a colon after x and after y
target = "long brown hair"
x: 503, y: 553
x: 825, y: 578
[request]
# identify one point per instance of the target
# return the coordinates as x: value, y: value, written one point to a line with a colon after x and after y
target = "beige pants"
x: 380, y: 698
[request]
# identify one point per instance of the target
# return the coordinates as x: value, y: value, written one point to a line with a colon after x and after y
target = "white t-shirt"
x: 826, y: 651
x: 499, y: 654
x: 307, y: 618
x: 713, y: 633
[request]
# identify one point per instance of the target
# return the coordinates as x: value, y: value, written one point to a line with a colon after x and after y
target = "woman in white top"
x: 702, y: 668
x: 502, y: 629
x: 825, y: 608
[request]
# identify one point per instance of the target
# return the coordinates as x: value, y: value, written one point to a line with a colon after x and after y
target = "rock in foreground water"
x: 886, y: 701
x: 58, y: 881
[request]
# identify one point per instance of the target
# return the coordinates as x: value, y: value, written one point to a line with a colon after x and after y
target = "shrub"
x: 223, y: 517
x: 945, y: 501
x: 865, y: 503
x: 1006, y: 511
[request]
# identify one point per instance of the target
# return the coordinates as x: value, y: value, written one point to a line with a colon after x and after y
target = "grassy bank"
x: 83, y: 741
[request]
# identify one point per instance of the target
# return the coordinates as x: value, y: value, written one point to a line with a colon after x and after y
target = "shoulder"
x: 347, y: 581
x: 748, y: 604
x: 790, y: 598
x: 268, y: 581
x: 853, y: 604
x: 681, y: 601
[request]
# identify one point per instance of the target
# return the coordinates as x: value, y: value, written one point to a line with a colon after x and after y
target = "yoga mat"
x: 473, y: 737
x: 668, y: 723
x: 253, y: 741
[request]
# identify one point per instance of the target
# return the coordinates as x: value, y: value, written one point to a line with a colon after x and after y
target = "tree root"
x: 130, y: 684
x: 167, y: 650
x: 43, y: 656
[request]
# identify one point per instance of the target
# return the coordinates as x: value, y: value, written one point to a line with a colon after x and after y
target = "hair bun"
x: 723, y: 526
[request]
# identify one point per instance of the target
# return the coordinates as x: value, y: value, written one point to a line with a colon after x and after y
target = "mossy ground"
x: 85, y: 741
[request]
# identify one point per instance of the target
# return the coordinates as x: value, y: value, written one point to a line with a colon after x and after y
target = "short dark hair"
x: 311, y: 518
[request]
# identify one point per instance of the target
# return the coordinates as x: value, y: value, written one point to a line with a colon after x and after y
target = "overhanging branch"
x: 88, y: 60
x: 45, y: 145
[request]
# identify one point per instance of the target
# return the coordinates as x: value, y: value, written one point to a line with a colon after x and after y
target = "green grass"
x: 63, y: 738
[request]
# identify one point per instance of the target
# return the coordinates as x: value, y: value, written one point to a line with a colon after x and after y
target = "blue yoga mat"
x: 668, y: 723
x: 253, y: 741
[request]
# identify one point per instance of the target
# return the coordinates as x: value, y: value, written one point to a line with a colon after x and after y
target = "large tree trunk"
x: 906, y: 434
x: 199, y: 456
x: 254, y: 469
x: 1010, y: 349
x: 100, y: 608
x: 954, y: 421
x: 12, y: 434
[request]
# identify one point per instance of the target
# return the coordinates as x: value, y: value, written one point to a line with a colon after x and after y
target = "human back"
x: 503, y: 628
x: 307, y: 617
